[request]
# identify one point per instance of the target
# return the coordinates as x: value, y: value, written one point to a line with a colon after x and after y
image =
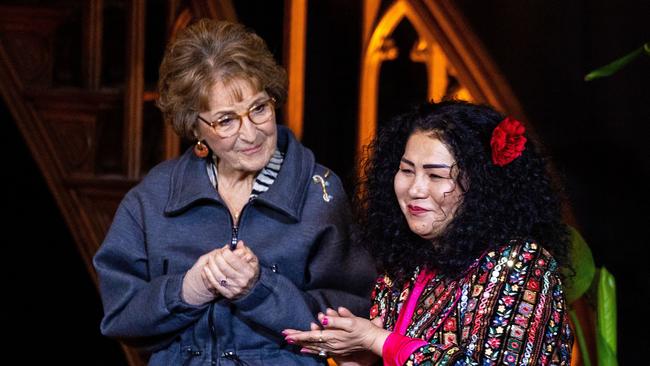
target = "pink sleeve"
x: 398, y: 348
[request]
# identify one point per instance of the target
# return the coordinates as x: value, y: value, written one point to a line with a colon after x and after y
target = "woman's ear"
x: 195, y: 131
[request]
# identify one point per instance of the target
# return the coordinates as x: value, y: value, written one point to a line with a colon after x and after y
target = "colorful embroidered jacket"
x: 508, y: 308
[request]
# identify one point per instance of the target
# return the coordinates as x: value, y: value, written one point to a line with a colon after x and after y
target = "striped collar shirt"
x: 264, y: 178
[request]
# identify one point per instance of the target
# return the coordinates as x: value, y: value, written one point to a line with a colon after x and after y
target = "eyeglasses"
x: 229, y: 124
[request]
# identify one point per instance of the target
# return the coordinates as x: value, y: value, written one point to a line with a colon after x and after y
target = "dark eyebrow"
x: 434, y: 166
x: 404, y: 160
x: 426, y: 166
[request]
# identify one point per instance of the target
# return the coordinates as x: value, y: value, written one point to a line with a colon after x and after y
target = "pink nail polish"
x: 324, y: 321
x: 290, y: 341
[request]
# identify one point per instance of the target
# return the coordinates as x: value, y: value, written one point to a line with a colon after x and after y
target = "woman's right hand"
x: 361, y: 358
x: 197, y: 287
x: 232, y: 273
x: 342, y: 336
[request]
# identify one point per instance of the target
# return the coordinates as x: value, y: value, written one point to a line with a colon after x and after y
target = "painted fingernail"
x: 290, y: 340
x: 324, y: 321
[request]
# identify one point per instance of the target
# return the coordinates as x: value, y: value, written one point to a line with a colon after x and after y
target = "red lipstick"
x: 416, y: 210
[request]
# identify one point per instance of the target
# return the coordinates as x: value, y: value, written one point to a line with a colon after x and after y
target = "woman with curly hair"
x: 460, y: 214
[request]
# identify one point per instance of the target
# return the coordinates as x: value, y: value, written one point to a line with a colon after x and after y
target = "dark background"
x: 597, y: 133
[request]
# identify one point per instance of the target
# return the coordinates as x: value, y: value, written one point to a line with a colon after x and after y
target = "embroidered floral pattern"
x: 509, y: 310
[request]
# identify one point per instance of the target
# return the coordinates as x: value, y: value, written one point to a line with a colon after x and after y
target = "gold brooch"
x: 323, y: 184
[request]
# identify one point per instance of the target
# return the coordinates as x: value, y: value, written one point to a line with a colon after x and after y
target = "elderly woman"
x: 213, y: 254
x: 460, y: 214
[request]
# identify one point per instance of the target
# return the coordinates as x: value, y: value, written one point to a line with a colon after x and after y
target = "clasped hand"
x: 221, y: 272
x: 349, y: 339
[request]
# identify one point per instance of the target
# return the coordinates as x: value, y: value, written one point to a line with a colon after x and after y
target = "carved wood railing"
x: 72, y: 75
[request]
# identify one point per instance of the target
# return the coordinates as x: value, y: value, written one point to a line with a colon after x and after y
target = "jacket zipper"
x: 234, y: 238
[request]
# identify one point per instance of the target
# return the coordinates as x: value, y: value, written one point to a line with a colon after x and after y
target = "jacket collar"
x: 190, y: 184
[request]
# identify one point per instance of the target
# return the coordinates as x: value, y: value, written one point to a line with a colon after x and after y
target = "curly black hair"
x: 498, y: 204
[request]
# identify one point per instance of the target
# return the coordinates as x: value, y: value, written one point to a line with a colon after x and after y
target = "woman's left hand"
x: 343, y: 335
x: 232, y: 273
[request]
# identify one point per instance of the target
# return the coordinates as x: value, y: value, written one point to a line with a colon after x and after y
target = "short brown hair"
x: 204, y: 53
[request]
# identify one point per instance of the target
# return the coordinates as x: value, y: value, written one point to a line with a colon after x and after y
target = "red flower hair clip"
x: 507, y: 141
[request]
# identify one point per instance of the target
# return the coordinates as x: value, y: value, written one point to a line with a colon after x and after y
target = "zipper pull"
x: 234, y: 238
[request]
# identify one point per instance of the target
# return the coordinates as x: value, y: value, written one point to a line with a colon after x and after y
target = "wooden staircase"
x: 79, y: 80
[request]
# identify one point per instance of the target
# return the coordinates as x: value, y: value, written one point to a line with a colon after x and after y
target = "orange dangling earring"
x: 200, y: 150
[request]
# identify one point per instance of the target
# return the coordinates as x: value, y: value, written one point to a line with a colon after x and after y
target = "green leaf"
x: 618, y: 64
x: 606, y: 319
x: 580, y: 336
x: 606, y: 356
x: 582, y: 263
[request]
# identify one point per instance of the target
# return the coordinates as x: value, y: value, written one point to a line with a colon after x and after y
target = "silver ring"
x: 223, y: 283
x: 322, y: 353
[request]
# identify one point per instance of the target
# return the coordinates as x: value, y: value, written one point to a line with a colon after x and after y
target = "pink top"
x: 398, y: 347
